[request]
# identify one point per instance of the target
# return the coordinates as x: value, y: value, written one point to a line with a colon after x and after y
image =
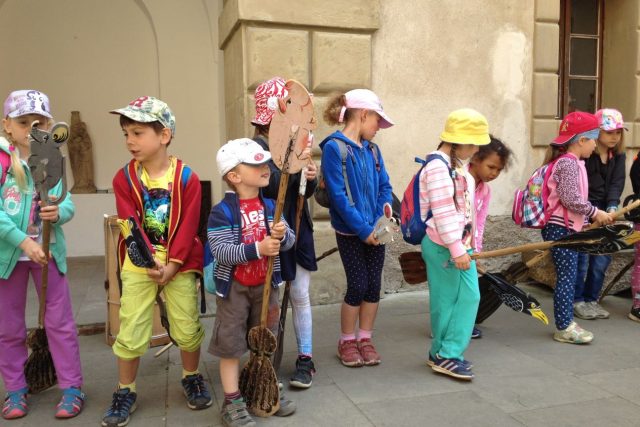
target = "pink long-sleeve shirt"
x: 482, y: 199
x: 447, y: 224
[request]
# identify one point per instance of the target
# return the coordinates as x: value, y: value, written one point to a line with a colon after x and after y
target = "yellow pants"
x: 136, y: 313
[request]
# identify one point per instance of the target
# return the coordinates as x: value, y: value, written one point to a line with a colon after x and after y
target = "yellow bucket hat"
x: 466, y: 126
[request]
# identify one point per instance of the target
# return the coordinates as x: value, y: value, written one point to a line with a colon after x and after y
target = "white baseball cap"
x: 243, y: 150
x: 23, y: 102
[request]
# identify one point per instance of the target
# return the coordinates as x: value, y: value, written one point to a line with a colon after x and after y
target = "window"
x: 581, y: 25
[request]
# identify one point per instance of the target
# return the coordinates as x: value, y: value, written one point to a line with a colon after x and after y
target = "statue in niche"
x: 81, y: 154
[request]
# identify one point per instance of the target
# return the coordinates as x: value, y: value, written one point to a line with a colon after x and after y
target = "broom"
x: 39, y: 370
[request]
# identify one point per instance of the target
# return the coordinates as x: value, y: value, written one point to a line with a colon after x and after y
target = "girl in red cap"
x: 569, y: 211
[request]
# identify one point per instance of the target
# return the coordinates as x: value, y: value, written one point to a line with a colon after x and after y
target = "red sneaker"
x: 349, y: 354
x: 369, y: 354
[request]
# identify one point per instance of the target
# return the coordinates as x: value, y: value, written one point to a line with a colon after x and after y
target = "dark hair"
x: 157, y: 126
x: 262, y: 129
x: 495, y: 146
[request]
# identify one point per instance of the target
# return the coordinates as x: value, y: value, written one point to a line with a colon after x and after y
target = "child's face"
x: 586, y: 147
x: 19, y: 128
x: 370, y: 125
x: 489, y: 168
x: 610, y: 138
x: 252, y: 176
x: 465, y: 151
x: 144, y: 143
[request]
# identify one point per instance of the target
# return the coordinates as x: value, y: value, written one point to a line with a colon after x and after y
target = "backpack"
x: 208, y: 271
x: 321, y: 194
x: 411, y: 224
x: 531, y: 205
x: 5, y: 164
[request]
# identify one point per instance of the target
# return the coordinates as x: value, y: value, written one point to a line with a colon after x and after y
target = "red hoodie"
x: 183, y: 244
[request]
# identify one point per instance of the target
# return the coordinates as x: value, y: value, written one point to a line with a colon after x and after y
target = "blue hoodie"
x: 370, y: 189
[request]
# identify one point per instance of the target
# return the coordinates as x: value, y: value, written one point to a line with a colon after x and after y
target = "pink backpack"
x: 5, y: 164
x: 531, y: 205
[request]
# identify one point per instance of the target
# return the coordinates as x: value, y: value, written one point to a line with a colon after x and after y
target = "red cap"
x: 573, y: 124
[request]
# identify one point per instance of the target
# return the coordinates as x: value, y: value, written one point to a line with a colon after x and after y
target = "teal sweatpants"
x: 453, y: 301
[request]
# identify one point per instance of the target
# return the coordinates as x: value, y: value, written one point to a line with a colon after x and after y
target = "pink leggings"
x: 635, y: 274
x: 59, y: 324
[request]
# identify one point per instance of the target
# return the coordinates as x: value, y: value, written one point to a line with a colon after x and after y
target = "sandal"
x: 15, y: 404
x: 71, y: 403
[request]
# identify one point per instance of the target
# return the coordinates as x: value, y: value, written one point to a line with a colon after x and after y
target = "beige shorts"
x: 236, y: 314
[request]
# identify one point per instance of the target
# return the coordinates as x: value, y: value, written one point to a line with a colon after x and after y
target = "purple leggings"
x: 58, y: 322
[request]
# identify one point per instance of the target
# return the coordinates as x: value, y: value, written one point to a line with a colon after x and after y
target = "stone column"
x: 326, y: 46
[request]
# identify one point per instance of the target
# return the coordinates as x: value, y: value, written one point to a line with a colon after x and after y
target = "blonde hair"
x: 331, y: 113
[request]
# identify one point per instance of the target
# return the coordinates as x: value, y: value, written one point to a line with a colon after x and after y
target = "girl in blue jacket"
x: 355, y: 207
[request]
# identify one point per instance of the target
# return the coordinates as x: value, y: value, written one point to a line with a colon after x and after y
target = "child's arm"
x: 616, y: 186
x: 62, y: 213
x: 337, y: 190
x: 220, y: 234
x: 440, y: 193
x: 481, y: 215
x: 284, y: 233
x: 634, y: 174
x: 126, y: 205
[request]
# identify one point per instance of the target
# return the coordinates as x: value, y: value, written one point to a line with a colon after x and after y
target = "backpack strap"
x: 5, y: 164
x: 545, y: 181
x: 375, y: 151
x: 344, y: 153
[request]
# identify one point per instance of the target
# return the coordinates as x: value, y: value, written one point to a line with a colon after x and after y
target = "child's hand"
x: 269, y: 246
x: 277, y: 230
x: 463, y: 262
x: 34, y: 251
x: 311, y: 170
x: 371, y: 240
x: 603, y: 218
x: 49, y: 212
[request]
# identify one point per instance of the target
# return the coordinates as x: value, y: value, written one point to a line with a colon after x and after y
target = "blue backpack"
x: 412, y: 226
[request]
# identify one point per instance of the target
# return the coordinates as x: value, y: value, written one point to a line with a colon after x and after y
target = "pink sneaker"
x: 71, y: 403
x: 15, y: 405
x: 368, y: 352
x: 349, y: 354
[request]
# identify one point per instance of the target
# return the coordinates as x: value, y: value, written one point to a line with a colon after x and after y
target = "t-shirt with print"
x: 156, y: 205
x: 254, y: 229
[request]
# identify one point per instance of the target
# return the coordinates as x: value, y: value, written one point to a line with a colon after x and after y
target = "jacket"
x: 304, y: 253
x: 14, y: 220
x: 606, y: 190
x: 183, y: 244
x: 225, y: 242
x: 370, y: 189
x: 447, y: 224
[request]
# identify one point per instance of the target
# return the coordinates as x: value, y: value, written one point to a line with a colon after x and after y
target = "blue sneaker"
x: 196, y: 392
x: 122, y: 406
x: 431, y: 361
x: 477, y: 333
x: 453, y: 367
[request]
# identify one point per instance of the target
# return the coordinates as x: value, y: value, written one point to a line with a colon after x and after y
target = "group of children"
x: 163, y: 196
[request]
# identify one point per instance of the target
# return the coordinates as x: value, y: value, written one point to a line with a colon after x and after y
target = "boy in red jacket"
x: 160, y: 193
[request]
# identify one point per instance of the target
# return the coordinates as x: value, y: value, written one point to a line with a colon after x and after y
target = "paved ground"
x: 523, y: 377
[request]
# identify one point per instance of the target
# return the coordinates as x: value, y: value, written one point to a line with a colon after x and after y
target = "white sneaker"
x: 584, y: 310
x: 600, y: 312
x: 574, y: 334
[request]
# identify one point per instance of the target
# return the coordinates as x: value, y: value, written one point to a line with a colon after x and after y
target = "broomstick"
x: 277, y: 357
x: 47, y: 169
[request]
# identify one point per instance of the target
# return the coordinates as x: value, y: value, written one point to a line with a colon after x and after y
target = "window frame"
x: 564, y: 62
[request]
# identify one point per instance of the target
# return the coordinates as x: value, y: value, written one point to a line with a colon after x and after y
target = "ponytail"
x: 17, y: 170
x: 333, y: 111
x: 553, y: 152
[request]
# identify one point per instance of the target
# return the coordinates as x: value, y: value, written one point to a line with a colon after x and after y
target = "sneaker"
x: 15, y: 404
x: 600, y: 312
x: 452, y: 367
x: 368, y: 352
x: 303, y: 377
x: 196, y: 392
x: 287, y: 407
x: 573, y: 334
x: 431, y: 361
x: 634, y: 314
x: 71, y: 403
x: 122, y: 406
x: 583, y: 310
x: 476, y: 333
x: 349, y: 354
x: 235, y: 414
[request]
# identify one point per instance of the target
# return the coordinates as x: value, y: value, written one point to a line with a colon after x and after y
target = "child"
x: 605, y: 172
x: 353, y: 218
x: 634, y: 314
x: 242, y: 235
x: 22, y: 255
x: 485, y: 166
x: 298, y: 264
x: 162, y: 194
x: 569, y: 208
x: 446, y: 202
